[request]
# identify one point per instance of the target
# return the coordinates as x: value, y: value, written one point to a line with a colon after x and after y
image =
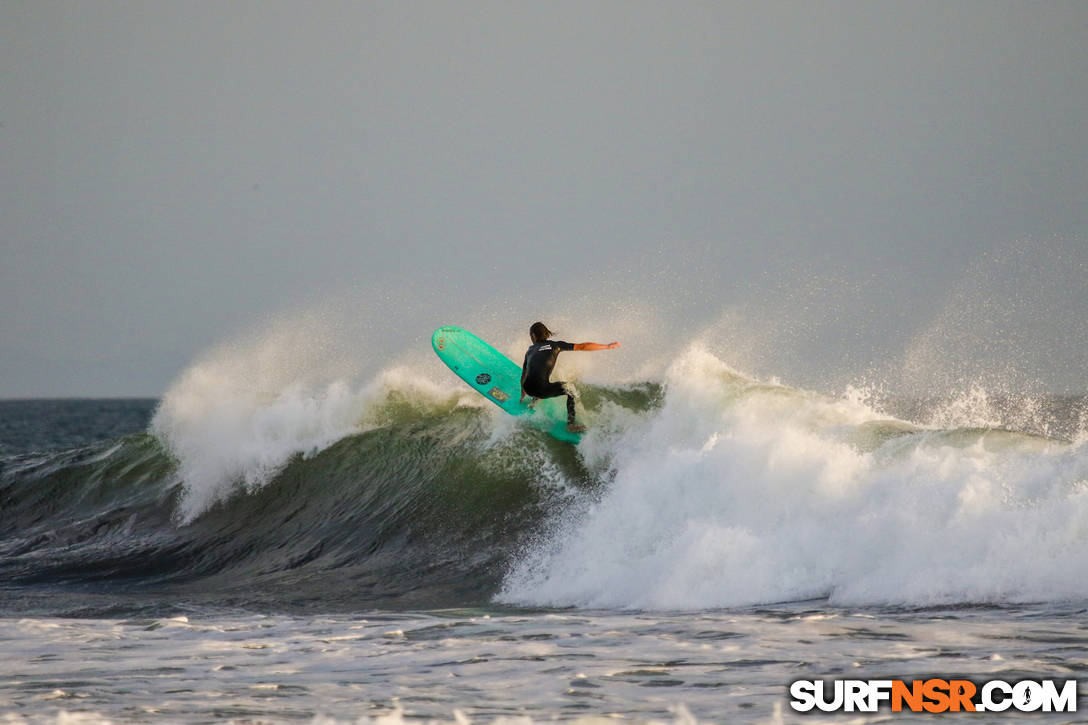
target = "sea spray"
x: 246, y: 438
x: 236, y: 416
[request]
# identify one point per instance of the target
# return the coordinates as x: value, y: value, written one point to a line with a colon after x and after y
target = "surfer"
x: 537, y: 368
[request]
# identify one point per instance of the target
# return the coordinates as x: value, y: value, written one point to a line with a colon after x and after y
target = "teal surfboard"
x: 498, y: 378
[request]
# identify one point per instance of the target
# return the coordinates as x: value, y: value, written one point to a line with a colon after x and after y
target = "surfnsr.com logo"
x: 934, y: 695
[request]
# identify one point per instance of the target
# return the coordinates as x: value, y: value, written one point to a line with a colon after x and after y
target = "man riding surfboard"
x: 537, y: 368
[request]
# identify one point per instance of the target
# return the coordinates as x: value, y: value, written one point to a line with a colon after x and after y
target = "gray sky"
x: 859, y: 186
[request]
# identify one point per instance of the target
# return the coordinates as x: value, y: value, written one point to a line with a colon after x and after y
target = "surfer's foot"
x: 575, y: 428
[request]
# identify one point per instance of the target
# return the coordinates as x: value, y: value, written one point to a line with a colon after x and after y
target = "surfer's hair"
x: 539, y: 332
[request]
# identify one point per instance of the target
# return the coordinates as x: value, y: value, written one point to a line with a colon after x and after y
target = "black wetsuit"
x: 537, y: 369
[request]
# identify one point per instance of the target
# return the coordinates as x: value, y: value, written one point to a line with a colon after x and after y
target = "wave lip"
x: 221, y: 440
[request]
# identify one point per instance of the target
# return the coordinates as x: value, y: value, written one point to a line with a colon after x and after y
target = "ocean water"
x: 255, y: 547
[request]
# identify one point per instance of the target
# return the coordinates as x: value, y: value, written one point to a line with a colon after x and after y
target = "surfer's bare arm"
x: 595, y: 346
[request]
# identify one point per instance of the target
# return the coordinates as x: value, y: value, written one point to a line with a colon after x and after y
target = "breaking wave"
x: 705, y: 488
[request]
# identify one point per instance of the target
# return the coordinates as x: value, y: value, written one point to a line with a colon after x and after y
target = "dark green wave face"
x: 423, y: 510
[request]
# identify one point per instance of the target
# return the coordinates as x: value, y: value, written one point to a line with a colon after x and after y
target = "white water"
x: 239, y: 414
x: 228, y: 429
x: 736, y: 492
x: 236, y: 416
x: 504, y: 668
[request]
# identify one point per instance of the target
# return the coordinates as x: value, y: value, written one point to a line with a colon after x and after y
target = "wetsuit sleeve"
x: 563, y: 345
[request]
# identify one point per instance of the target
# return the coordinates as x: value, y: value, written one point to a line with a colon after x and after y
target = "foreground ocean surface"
x: 400, y: 551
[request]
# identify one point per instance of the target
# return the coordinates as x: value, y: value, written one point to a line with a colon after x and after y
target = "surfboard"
x: 498, y: 378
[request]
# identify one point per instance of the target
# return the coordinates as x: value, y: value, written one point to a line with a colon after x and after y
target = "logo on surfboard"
x: 483, y: 379
x: 498, y: 395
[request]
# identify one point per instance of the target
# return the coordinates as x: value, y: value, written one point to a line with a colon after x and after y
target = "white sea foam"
x: 681, y: 716
x: 415, y: 668
x: 736, y: 492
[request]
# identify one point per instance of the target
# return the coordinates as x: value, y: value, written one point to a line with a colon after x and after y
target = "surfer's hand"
x: 613, y: 345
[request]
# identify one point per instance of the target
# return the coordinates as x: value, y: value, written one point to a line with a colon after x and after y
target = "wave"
x: 736, y: 492
x: 707, y: 488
